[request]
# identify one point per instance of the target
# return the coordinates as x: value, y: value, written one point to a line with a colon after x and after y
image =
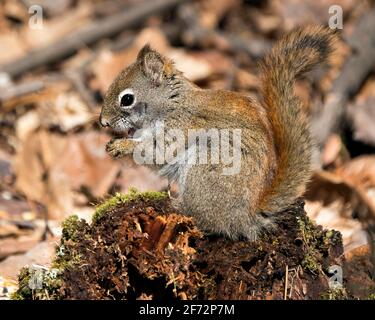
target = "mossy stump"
x: 139, y: 247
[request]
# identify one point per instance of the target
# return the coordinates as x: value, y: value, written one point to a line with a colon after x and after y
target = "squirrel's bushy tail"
x: 292, y: 56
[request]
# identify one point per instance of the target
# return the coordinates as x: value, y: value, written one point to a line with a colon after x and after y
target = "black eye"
x: 127, y: 100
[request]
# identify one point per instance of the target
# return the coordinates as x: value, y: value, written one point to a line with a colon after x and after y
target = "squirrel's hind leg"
x: 222, y: 204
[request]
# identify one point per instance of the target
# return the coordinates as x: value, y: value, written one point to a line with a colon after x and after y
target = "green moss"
x: 307, y: 229
x: 69, y: 228
x: 316, y: 241
x: 371, y: 296
x: 119, y: 199
x: 66, y: 261
x: 310, y: 263
x: 38, y: 283
x: 24, y: 291
x: 66, y: 258
x: 310, y: 235
x: 335, y: 294
x: 330, y: 237
x: 16, y: 296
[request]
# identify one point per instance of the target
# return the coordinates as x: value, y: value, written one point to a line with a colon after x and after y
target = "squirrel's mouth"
x: 126, y: 133
x: 130, y: 133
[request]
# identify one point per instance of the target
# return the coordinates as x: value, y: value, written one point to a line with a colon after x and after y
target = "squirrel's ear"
x: 154, y: 65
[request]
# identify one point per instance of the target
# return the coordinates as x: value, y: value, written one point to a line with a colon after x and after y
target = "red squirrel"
x: 275, y: 140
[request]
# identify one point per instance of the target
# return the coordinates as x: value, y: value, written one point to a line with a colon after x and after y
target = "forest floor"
x: 54, y: 75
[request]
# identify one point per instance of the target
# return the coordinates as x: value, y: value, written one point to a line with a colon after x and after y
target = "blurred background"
x: 58, y: 57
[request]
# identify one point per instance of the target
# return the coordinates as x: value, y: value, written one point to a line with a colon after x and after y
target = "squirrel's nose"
x: 103, y: 121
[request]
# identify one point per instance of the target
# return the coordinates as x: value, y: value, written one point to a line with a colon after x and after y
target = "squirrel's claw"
x: 118, y: 148
x: 113, y: 148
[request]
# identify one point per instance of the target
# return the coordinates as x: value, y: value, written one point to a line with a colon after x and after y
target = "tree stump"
x: 139, y: 247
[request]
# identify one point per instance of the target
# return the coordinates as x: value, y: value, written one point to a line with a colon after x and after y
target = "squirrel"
x: 275, y: 145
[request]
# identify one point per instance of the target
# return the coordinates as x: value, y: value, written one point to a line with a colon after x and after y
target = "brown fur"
x: 275, y: 144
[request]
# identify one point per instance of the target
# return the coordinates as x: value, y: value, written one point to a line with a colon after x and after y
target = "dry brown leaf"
x: 50, y: 167
x: 57, y: 106
x: 107, y: 66
x: 194, y: 67
x: 67, y: 112
x: 331, y: 149
x: 11, y: 246
x: 26, y: 124
x: 334, y: 153
x: 359, y: 171
x: 39, y: 253
x: 362, y: 113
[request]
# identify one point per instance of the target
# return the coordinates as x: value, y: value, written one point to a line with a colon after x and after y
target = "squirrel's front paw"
x: 118, y: 148
x: 112, y: 149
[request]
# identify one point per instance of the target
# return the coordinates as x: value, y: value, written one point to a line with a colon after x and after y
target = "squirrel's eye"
x: 127, y: 100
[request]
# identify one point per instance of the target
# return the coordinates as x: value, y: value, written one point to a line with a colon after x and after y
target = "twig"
x: 286, y: 282
x: 87, y: 35
x: 370, y: 230
x: 21, y: 89
x: 198, y: 34
x: 25, y: 88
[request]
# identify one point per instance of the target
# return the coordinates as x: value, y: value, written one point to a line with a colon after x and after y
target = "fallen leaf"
x: 361, y: 113
x: 359, y: 171
x: 38, y: 253
x: 53, y: 168
x: 50, y: 167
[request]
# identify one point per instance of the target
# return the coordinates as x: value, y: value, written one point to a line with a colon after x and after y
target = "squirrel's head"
x: 141, y: 93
